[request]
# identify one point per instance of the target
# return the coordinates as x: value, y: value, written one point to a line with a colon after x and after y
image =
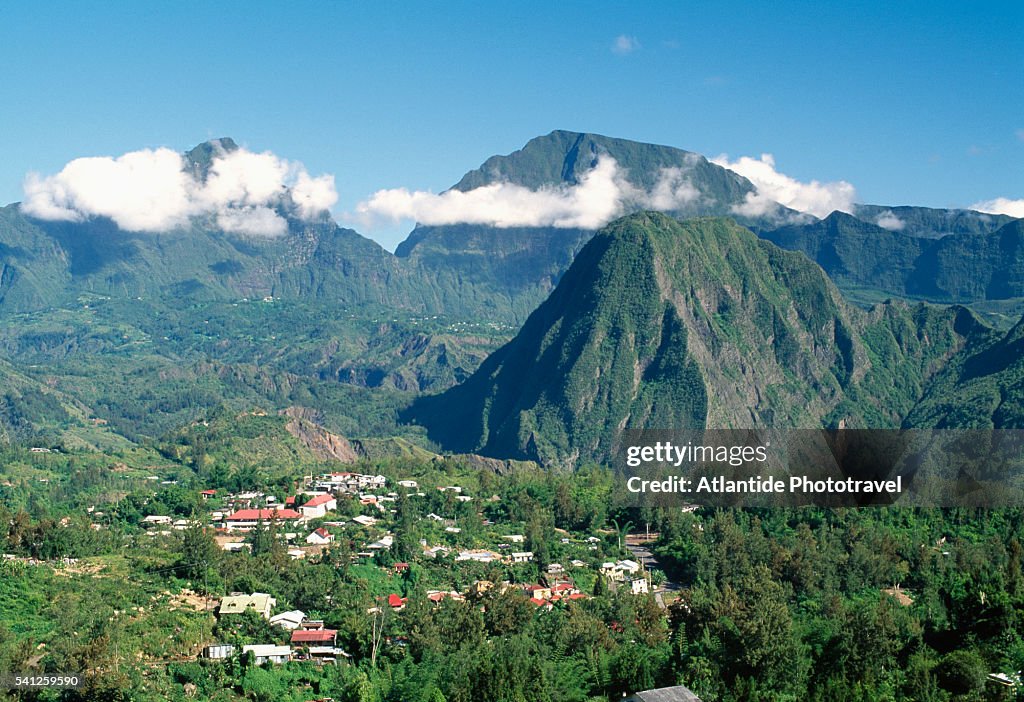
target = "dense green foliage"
x: 874, y: 604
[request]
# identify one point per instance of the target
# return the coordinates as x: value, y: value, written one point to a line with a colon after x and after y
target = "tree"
x: 962, y: 672
x: 198, y: 553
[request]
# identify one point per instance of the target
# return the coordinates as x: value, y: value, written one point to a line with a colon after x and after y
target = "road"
x: 637, y: 545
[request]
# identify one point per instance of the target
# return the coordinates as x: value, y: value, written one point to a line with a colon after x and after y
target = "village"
x: 361, y: 510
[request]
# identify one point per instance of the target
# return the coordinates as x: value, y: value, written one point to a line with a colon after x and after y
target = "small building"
x: 319, y: 506
x: 540, y: 592
x: 237, y: 603
x: 320, y: 537
x: 157, y: 520
x: 664, y: 694
x: 383, y: 544
x: 248, y: 519
x: 522, y: 557
x: 1006, y: 680
x: 289, y: 620
x: 478, y: 555
x: 638, y: 586
x: 314, y: 637
x: 218, y: 651
x: 408, y: 484
x: 268, y: 653
x: 564, y: 589
x: 207, y: 494
x: 363, y: 520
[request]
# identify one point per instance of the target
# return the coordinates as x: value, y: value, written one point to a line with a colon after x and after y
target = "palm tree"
x: 621, y: 531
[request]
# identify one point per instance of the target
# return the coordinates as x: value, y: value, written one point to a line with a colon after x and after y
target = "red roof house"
x: 314, y: 636
x: 319, y: 505
x: 249, y: 518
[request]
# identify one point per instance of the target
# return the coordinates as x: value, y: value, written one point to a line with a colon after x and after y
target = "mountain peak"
x: 200, y: 158
x: 562, y: 157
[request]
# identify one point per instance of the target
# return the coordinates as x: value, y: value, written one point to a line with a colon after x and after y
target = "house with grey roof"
x: 664, y: 694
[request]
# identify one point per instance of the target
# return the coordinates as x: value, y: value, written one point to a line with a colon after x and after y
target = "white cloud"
x: 889, y: 220
x: 816, y: 198
x: 313, y: 195
x: 141, y: 191
x: 254, y: 221
x: 150, y: 191
x: 602, y: 194
x: 625, y: 44
x: 1001, y: 205
x: 672, y: 191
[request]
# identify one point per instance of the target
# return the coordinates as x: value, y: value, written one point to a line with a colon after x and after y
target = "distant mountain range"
x: 502, y: 273
x: 685, y: 318
x: 982, y: 258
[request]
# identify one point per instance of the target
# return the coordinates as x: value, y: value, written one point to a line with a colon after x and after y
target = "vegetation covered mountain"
x: 980, y: 390
x: 668, y: 324
x: 962, y: 267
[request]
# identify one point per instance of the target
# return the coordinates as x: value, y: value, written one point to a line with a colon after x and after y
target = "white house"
x: 385, y: 543
x: 478, y: 555
x: 522, y: 557
x: 320, y: 537
x: 627, y: 566
x: 289, y: 620
x: 318, y: 506
x: 269, y: 652
x: 638, y: 586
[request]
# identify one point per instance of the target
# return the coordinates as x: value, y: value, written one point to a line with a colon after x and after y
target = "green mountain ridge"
x: 962, y: 267
x: 667, y: 324
x: 930, y: 222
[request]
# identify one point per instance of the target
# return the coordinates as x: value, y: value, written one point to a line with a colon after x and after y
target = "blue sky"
x: 914, y: 103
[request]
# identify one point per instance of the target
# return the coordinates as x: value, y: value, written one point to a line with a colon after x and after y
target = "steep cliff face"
x: 303, y: 425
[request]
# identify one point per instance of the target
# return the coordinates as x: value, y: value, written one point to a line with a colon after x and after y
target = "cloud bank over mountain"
x: 1001, y: 205
x: 816, y: 198
x: 151, y: 190
x: 602, y: 194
